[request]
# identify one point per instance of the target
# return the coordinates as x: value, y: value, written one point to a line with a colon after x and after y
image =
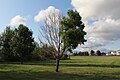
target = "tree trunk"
x: 57, y: 64
x: 21, y: 60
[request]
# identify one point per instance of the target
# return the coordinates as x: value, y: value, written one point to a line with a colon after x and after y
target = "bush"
x: 81, y: 54
x: 65, y: 57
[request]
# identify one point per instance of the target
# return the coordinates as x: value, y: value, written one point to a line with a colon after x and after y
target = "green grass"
x: 78, y: 68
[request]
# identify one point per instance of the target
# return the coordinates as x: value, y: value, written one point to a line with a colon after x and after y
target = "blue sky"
x: 30, y: 8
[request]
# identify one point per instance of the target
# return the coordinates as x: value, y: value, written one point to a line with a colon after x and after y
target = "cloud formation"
x: 44, y: 13
x: 17, y: 20
x: 97, y: 8
x: 105, y: 27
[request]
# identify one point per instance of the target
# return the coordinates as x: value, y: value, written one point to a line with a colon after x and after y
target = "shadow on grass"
x: 12, y: 75
x: 77, y: 65
x: 67, y: 64
x: 92, y: 65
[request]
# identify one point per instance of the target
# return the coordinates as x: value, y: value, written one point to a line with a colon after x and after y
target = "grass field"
x: 77, y: 68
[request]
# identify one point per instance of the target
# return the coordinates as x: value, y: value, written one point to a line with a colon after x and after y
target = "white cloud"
x: 105, y: 27
x: 97, y: 8
x: 101, y: 33
x: 17, y: 20
x: 44, y: 13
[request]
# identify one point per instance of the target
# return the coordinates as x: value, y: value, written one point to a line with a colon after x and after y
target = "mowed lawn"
x: 77, y: 68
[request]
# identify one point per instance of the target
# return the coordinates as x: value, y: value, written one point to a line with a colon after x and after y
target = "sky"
x: 101, y: 18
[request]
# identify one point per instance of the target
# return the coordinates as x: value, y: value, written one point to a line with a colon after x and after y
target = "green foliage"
x: 5, y: 44
x: 72, y: 30
x: 43, y: 52
x: 16, y: 44
x: 98, y: 53
x: 23, y: 42
x: 81, y: 54
x: 92, y: 53
x: 19, y: 45
x: 65, y: 57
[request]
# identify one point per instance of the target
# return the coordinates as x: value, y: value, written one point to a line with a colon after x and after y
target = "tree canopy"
x: 16, y: 44
x: 23, y: 42
x: 72, y: 32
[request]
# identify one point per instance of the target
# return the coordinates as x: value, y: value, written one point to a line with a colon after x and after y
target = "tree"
x: 83, y: 54
x: 23, y: 42
x: 98, y: 52
x: 63, y: 34
x: 103, y: 54
x: 5, y: 44
x: 92, y: 52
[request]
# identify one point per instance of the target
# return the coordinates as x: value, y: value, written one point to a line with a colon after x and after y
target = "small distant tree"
x: 98, y: 52
x: 103, y: 54
x: 92, y: 52
x: 83, y: 54
x: 23, y: 42
x: 63, y: 34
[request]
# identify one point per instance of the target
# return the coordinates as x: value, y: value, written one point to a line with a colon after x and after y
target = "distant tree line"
x: 91, y: 53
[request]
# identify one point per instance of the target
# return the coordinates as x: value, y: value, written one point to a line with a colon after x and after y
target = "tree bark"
x: 57, y: 64
x: 21, y: 60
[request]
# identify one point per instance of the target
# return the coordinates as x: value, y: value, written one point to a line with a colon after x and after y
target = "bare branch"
x: 50, y: 34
